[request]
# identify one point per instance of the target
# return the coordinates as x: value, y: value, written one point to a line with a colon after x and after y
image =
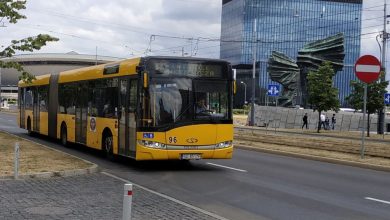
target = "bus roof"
x: 125, y: 67
x: 38, y: 81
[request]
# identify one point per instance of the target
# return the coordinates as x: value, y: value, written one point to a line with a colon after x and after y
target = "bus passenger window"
x: 28, y: 98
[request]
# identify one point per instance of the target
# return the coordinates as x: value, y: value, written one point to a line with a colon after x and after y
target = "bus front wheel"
x: 107, y: 147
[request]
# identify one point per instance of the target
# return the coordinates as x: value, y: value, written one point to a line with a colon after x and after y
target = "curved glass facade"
x: 286, y: 26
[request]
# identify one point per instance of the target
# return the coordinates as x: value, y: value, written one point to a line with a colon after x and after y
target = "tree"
x: 9, y: 10
x: 375, y: 92
x: 322, y: 95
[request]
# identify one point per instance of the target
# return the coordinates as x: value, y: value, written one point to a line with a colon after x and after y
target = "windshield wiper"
x: 185, y: 110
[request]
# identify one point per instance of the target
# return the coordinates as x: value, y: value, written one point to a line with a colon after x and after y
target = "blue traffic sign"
x: 273, y: 90
x: 387, y: 98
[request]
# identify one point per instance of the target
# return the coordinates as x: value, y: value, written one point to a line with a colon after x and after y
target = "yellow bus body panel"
x: 94, y: 137
x: 189, y: 138
x: 69, y: 120
x: 43, y: 123
x: 126, y: 67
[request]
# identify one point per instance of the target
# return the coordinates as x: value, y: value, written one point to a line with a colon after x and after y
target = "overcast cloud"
x: 123, y: 28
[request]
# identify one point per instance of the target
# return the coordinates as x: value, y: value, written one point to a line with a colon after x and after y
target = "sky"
x: 127, y: 28
x: 122, y: 28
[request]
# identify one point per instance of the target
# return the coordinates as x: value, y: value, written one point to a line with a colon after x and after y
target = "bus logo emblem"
x: 192, y: 140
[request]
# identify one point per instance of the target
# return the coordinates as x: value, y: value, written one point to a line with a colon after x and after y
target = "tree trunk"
x: 368, y: 125
x: 319, y: 122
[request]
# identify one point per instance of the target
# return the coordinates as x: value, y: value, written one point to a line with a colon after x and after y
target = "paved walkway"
x: 94, y: 196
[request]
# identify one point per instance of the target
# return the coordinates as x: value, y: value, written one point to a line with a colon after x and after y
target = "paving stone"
x: 92, y: 196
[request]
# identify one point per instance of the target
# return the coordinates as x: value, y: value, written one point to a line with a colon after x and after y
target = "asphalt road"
x: 252, y: 185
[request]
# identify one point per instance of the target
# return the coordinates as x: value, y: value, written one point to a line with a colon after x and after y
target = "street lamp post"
x: 245, y: 92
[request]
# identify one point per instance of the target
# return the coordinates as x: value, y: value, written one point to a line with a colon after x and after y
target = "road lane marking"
x: 231, y: 168
x: 378, y: 200
x: 11, y: 120
x: 167, y: 197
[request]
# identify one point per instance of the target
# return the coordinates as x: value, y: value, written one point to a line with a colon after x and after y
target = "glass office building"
x: 286, y: 26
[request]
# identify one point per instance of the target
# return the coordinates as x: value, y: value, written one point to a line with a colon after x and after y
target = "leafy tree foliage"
x: 375, y: 93
x: 322, y: 95
x: 9, y: 10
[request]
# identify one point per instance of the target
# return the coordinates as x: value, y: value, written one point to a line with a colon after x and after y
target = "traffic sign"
x: 273, y: 90
x: 387, y: 98
x: 367, y: 68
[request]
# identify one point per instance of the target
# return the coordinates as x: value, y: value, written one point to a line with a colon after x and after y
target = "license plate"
x: 191, y: 156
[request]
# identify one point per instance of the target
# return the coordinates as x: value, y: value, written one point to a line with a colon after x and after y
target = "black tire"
x: 108, y: 147
x: 64, y: 136
x: 29, y: 131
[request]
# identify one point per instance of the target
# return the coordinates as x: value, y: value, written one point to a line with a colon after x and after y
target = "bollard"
x: 16, y: 161
x: 127, y: 201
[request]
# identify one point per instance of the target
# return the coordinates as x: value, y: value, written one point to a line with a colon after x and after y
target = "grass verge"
x: 34, y: 158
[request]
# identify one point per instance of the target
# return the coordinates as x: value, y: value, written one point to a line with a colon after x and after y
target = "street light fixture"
x: 245, y: 92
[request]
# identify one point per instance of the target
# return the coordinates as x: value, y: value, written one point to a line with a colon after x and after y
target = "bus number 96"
x: 172, y: 139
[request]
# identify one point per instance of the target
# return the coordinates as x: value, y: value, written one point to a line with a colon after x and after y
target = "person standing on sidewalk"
x: 304, y: 121
x: 322, y: 121
x: 333, y: 121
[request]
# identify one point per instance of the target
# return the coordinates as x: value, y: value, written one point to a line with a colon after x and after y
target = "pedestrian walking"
x: 322, y: 117
x: 327, y: 123
x: 304, y: 119
x: 333, y: 121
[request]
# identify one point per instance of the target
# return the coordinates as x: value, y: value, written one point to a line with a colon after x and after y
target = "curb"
x: 44, y: 175
x: 317, y: 158
x: 306, y: 134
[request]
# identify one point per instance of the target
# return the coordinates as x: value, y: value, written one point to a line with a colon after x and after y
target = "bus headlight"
x: 224, y: 144
x: 152, y: 144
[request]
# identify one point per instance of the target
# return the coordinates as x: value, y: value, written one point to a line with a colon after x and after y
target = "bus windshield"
x: 171, y: 100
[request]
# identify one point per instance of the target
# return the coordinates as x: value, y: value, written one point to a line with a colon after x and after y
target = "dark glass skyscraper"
x: 286, y: 26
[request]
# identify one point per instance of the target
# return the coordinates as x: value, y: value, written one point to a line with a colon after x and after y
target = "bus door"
x: 81, y: 113
x: 35, y: 109
x: 132, y: 116
x: 127, y: 122
x: 22, y: 107
x: 123, y: 117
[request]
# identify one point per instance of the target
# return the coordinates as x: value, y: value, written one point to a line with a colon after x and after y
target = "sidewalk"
x: 92, y: 196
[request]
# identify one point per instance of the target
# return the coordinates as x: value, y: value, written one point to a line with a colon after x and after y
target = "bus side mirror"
x: 145, y: 80
x: 234, y: 87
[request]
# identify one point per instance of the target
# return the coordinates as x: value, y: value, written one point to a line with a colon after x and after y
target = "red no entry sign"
x: 367, y: 68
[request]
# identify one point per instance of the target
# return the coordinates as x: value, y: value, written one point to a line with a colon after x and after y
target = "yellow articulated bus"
x: 149, y: 108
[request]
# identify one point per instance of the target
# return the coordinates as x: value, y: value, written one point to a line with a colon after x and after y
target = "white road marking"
x: 167, y: 197
x: 11, y: 120
x: 378, y: 200
x: 231, y: 168
x: 367, y: 68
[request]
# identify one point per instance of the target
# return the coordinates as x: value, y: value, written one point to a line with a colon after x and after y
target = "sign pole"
x: 252, y: 121
x: 367, y: 70
x: 364, y: 120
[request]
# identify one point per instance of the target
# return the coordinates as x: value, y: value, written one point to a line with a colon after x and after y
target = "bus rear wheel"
x: 107, y: 147
x: 64, y: 136
x: 29, y: 131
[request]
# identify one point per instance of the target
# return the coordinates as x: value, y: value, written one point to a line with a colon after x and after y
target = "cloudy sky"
x: 122, y: 28
x: 126, y: 28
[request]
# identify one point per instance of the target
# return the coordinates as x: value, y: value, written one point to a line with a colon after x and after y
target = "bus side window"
x: 107, y: 98
x: 43, y: 98
x: 133, y: 96
x: 28, y: 99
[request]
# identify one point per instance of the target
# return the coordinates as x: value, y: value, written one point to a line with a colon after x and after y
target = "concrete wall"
x: 279, y: 117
